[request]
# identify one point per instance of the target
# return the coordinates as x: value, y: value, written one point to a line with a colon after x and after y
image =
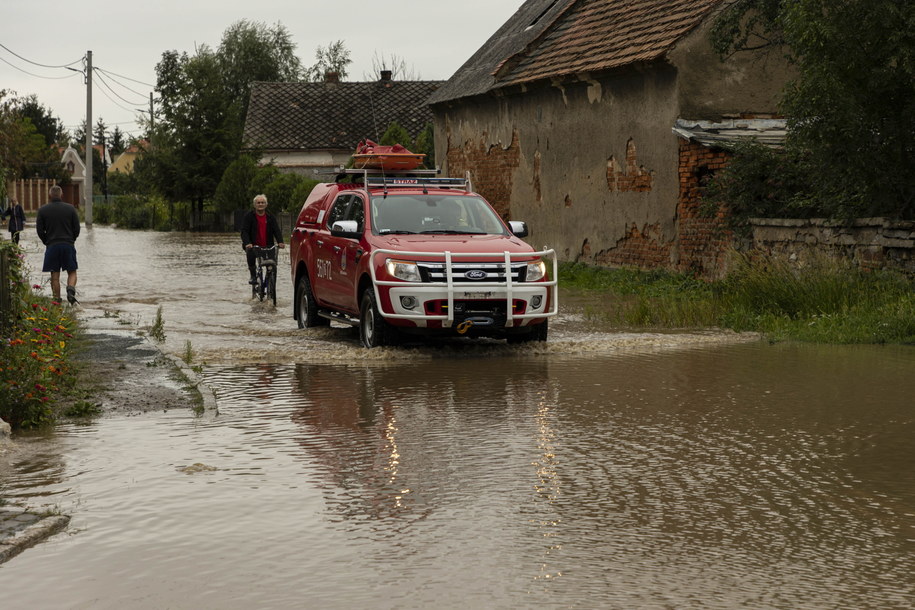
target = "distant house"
x: 598, y: 122
x: 303, y: 127
x: 124, y: 162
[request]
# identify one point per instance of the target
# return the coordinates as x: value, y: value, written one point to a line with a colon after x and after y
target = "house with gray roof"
x: 303, y: 127
x: 598, y: 123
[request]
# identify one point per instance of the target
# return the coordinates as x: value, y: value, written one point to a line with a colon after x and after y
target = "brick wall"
x: 492, y: 169
x: 703, y: 241
x: 643, y: 248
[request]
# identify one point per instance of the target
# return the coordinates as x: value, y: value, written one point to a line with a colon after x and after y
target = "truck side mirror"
x: 519, y: 228
x: 346, y: 228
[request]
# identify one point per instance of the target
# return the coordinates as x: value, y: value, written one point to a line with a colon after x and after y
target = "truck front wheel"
x: 373, y: 330
x: 306, y: 308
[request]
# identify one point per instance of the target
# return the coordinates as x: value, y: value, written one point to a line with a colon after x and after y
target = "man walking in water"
x: 57, y: 225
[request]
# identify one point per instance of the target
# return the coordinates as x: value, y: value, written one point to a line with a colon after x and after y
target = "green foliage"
x: 425, y: 145
x: 235, y: 190
x: 279, y: 191
x: 157, y: 330
x: 851, y: 111
x: 34, y: 351
x: 395, y: 134
x: 759, y: 183
x: 300, y: 194
x: 141, y: 212
x: 332, y: 58
x: 202, y: 108
x: 252, y: 51
x: 822, y: 300
x: 24, y: 152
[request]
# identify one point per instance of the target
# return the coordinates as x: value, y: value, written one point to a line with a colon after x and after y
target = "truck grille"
x: 470, y: 273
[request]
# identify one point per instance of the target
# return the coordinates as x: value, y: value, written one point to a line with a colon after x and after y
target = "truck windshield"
x: 430, y: 214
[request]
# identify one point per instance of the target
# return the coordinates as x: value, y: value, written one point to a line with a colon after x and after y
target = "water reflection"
x: 600, y: 470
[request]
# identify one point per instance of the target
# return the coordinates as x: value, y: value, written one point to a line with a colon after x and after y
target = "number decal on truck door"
x: 323, y: 268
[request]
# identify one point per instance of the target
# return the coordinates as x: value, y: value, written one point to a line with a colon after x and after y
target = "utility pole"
x: 88, y: 181
x: 152, y: 121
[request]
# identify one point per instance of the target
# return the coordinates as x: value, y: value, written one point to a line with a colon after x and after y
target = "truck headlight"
x: 403, y: 270
x: 536, y: 271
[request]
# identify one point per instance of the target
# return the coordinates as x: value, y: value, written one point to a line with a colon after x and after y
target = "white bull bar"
x: 508, y: 286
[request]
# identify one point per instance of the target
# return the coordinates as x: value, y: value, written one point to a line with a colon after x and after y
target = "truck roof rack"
x: 420, y: 178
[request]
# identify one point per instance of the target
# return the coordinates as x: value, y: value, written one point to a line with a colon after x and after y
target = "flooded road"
x: 601, y: 470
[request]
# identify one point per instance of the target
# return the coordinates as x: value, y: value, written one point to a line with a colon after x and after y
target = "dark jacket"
x: 57, y: 223
x: 17, y: 217
x: 249, y: 229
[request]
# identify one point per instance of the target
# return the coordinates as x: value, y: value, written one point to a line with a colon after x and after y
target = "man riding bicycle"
x: 259, y: 228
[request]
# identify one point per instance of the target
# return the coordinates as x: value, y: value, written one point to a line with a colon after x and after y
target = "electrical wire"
x: 35, y: 63
x: 39, y: 75
x: 107, y: 86
x: 109, y: 73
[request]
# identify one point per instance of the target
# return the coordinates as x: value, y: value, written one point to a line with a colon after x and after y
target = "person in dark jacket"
x: 17, y: 219
x: 259, y: 228
x: 57, y: 225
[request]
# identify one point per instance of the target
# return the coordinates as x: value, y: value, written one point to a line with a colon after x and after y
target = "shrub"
x: 34, y: 351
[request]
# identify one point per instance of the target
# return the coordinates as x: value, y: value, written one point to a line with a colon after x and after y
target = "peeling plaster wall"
x: 746, y: 83
x: 590, y: 165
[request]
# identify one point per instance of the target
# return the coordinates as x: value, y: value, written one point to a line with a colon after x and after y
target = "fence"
x: 33, y: 193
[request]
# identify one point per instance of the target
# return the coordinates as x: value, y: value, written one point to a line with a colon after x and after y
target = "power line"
x: 114, y: 102
x: 109, y: 75
x: 107, y: 86
x: 37, y: 75
x: 35, y: 63
x: 125, y: 77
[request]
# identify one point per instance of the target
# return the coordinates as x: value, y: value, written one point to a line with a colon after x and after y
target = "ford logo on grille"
x: 475, y: 274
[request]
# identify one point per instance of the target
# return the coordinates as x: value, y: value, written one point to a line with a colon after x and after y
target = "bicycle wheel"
x: 271, y: 283
x: 261, y: 284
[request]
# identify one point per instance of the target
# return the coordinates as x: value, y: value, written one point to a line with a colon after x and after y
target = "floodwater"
x: 600, y: 470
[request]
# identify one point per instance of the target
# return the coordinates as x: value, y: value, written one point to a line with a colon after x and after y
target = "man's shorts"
x: 60, y: 256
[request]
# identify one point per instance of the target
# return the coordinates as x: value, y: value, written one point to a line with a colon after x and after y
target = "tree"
x: 198, y: 134
x: 235, y: 191
x: 116, y: 142
x: 851, y: 110
x: 395, y: 134
x: 395, y: 64
x: 251, y: 51
x: 42, y: 118
x: 24, y: 152
x: 333, y: 58
x: 202, y: 101
x: 425, y: 145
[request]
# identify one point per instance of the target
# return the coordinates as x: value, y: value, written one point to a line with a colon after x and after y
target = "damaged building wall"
x: 582, y: 163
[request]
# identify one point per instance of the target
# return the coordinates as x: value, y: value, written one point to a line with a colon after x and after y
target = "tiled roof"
x: 333, y: 116
x: 575, y: 36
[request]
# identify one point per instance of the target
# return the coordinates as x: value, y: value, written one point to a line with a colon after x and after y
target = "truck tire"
x: 374, y: 331
x: 306, y: 308
x: 538, y: 332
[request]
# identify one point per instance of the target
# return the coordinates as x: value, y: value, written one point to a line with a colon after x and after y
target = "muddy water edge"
x: 602, y: 469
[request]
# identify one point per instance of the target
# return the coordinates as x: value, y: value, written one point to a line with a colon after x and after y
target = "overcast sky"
x: 127, y: 41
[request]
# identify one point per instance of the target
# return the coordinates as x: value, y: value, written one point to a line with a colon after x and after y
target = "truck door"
x: 344, y: 253
x: 326, y: 258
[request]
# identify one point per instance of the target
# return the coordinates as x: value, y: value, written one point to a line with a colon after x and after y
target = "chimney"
x: 385, y: 76
x: 331, y: 77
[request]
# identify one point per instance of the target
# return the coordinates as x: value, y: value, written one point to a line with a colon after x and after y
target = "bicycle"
x: 264, y: 285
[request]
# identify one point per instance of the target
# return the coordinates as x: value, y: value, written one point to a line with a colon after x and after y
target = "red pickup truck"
x: 400, y: 253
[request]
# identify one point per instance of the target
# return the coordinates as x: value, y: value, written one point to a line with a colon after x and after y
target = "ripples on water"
x: 598, y: 470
